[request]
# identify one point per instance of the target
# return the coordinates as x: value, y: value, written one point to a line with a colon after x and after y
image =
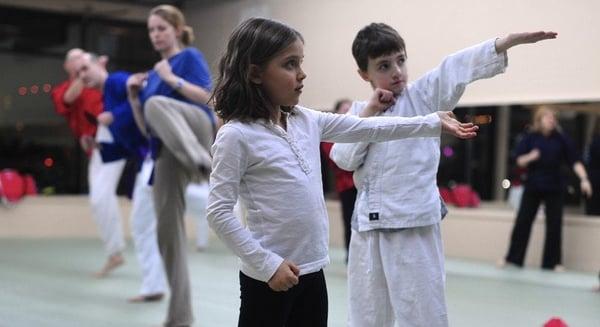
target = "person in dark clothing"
x: 593, y: 167
x: 543, y: 151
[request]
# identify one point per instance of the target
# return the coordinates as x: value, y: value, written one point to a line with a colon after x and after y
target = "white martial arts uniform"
x: 143, y: 227
x: 143, y: 232
x: 103, y: 179
x: 396, y: 262
x: 196, y: 196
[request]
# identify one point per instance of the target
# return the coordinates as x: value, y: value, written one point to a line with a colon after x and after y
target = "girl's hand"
x: 453, y: 127
x: 380, y: 101
x: 163, y: 69
x: 135, y: 83
x: 509, y: 41
x: 285, y: 277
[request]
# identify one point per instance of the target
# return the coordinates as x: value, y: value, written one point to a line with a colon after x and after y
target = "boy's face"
x: 388, y: 72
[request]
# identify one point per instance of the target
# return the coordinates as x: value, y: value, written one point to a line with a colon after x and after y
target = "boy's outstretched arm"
x: 513, y: 39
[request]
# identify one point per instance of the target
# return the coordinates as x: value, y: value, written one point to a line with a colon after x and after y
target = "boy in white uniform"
x: 396, y: 262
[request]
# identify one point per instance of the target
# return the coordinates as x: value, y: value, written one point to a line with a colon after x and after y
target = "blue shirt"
x: 545, y: 174
x: 128, y: 140
x: 189, y: 64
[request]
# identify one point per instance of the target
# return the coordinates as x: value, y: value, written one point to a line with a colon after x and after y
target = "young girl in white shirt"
x: 267, y: 153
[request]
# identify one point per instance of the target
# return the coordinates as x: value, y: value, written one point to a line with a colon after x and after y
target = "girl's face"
x: 281, y: 78
x: 162, y: 34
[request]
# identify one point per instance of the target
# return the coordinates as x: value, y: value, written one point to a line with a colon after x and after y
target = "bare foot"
x: 113, y: 262
x: 559, y: 268
x: 146, y: 298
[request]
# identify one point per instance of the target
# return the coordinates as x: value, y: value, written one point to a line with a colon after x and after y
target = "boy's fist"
x: 380, y: 101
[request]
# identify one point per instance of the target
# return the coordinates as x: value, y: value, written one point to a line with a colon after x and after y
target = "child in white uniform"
x: 396, y: 262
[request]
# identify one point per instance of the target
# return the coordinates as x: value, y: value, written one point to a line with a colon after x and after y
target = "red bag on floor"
x: 12, y: 187
x: 30, y: 186
x: 446, y: 195
x: 465, y: 196
x: 555, y: 322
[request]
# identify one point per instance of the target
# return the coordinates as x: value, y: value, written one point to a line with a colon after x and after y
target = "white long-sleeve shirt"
x: 396, y: 180
x: 277, y: 175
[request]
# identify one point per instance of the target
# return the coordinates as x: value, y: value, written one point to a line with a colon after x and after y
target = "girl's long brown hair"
x: 255, y: 42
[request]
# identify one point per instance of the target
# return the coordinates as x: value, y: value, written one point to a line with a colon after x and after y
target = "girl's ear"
x: 255, y: 74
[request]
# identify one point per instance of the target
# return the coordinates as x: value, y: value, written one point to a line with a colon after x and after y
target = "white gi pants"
x: 397, y: 277
x: 196, y: 196
x: 103, y: 179
x: 143, y: 228
x: 143, y: 232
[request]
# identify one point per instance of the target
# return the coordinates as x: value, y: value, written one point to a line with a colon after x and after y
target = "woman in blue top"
x: 175, y: 112
x: 543, y: 151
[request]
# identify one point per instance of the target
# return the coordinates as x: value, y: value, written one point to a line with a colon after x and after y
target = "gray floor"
x: 50, y: 283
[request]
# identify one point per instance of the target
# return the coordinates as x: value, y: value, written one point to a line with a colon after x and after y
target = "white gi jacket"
x: 396, y: 180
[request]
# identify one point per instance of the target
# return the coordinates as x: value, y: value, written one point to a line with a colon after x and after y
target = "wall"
x: 562, y: 70
x: 483, y: 234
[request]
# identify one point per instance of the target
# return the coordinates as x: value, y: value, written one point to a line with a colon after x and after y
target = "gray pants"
x: 187, y: 134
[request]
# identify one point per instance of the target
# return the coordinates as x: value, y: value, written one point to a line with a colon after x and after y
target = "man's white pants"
x: 143, y: 228
x: 397, y: 277
x: 196, y: 197
x: 143, y: 232
x: 103, y: 179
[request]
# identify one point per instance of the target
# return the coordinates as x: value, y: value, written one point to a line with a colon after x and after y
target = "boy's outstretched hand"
x: 509, y: 41
x: 453, y: 127
x: 285, y: 277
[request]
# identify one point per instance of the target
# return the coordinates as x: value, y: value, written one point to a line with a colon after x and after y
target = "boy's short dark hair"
x: 375, y: 40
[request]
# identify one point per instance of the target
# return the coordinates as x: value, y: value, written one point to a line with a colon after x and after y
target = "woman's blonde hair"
x: 540, y: 112
x: 175, y: 17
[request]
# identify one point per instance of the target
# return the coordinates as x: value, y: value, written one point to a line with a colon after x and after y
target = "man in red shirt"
x: 80, y: 106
